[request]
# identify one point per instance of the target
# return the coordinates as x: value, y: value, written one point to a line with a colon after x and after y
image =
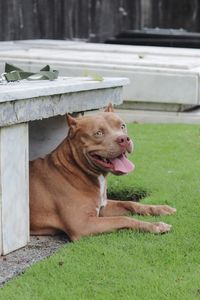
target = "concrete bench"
x: 32, y: 123
x: 158, y: 75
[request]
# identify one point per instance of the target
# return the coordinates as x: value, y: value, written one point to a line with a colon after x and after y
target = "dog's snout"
x: 123, y: 140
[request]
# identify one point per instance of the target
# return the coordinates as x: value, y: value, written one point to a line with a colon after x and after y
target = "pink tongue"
x: 122, y: 164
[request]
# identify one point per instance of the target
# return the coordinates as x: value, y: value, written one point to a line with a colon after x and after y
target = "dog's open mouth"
x: 119, y: 165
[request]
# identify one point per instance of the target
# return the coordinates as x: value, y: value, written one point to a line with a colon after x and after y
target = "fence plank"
x: 94, y: 20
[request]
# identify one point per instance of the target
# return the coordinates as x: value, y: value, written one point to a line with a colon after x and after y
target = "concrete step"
x: 155, y: 117
x: 157, y: 74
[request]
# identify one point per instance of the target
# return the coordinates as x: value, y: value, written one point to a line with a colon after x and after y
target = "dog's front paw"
x: 160, y: 227
x: 161, y: 210
x: 153, y: 210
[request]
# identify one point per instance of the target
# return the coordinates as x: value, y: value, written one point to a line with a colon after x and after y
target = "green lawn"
x: 130, y: 265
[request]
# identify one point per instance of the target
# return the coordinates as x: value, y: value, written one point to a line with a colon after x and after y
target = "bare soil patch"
x: 39, y: 248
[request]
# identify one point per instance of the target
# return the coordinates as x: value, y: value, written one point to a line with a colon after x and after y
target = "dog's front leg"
x: 118, y: 208
x: 95, y: 225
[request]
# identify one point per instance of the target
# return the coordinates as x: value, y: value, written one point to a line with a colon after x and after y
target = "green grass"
x: 130, y: 265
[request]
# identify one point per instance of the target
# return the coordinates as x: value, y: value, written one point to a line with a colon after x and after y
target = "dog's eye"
x: 123, y: 126
x: 99, y: 133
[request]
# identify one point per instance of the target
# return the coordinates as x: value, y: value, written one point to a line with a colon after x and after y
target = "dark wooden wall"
x: 94, y: 20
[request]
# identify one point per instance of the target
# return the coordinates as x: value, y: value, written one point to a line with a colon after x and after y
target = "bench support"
x: 14, y: 188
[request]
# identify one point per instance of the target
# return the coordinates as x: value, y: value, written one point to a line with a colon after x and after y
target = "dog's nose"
x: 124, y: 141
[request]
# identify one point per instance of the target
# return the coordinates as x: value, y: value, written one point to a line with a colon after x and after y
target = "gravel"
x: 39, y: 248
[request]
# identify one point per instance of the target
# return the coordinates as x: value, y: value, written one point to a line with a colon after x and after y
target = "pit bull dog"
x: 68, y: 186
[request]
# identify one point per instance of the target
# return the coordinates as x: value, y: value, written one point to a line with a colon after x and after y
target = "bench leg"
x: 14, y: 188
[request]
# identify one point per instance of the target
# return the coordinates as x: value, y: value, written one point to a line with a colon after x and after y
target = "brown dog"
x: 68, y: 186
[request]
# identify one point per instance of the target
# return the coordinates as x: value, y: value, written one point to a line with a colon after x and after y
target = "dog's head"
x: 101, y: 142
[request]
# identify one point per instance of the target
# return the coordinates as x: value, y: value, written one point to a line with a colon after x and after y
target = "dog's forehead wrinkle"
x: 100, y: 117
x: 110, y: 120
x: 96, y: 122
x: 90, y: 121
x: 113, y: 120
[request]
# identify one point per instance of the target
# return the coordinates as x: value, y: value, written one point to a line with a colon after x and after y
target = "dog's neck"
x: 66, y: 157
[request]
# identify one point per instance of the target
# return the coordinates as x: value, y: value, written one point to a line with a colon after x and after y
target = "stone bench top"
x: 26, y: 89
x: 26, y: 100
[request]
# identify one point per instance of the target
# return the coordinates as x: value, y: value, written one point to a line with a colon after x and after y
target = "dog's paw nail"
x: 169, y: 210
x: 162, y: 227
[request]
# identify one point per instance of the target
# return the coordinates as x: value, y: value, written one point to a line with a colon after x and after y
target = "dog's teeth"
x: 105, y: 160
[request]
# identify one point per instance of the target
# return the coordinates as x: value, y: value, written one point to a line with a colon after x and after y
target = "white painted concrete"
x: 160, y: 117
x: 14, y: 208
x: 157, y: 74
x: 45, y: 135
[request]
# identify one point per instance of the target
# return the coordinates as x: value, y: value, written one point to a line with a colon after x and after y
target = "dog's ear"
x: 72, y: 123
x: 109, y: 108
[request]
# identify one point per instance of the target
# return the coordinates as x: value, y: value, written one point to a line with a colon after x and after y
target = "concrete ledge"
x: 155, y: 117
x: 157, y: 74
x: 38, y: 88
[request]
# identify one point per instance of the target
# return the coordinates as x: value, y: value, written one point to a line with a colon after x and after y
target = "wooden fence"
x: 94, y: 20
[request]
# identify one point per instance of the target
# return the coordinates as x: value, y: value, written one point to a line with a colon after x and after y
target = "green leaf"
x: 93, y: 75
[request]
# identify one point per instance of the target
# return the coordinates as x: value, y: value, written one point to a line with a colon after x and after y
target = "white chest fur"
x: 103, y: 188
